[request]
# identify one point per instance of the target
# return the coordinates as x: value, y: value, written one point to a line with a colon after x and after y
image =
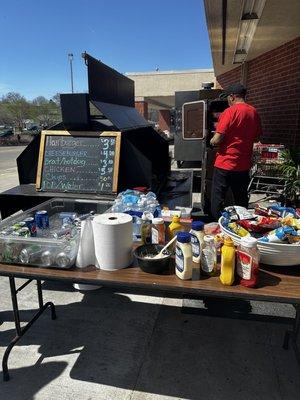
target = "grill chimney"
x: 207, y: 85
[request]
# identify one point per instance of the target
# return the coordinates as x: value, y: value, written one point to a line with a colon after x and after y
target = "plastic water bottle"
x: 137, y: 225
x: 128, y: 207
x: 151, y: 195
x: 208, y: 256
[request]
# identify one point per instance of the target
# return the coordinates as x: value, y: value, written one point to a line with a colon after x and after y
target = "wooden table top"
x: 277, y: 284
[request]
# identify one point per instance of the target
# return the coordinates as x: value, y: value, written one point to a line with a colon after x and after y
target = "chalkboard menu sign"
x: 79, y: 162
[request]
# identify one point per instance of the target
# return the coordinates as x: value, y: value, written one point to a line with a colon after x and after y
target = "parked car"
x: 6, y: 132
x: 34, y: 131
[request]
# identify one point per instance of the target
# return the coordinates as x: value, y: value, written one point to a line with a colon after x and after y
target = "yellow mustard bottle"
x: 175, y: 226
x: 227, y: 262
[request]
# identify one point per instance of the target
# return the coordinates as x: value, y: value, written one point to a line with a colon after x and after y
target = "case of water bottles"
x: 136, y: 203
x: 47, y: 235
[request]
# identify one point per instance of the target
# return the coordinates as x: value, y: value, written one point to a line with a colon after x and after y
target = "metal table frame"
x: 291, y: 336
x: 21, y: 331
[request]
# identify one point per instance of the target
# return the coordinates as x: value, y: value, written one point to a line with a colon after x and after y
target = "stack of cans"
x: 36, y: 252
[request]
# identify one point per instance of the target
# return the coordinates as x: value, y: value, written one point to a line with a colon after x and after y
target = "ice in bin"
x: 54, y: 246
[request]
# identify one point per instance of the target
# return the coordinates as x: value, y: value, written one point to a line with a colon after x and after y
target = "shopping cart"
x: 266, y: 176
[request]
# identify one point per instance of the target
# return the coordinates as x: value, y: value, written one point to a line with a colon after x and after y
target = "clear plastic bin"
x: 45, y: 250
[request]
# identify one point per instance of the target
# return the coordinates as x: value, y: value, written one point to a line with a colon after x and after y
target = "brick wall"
x: 228, y: 78
x: 164, y: 120
x: 142, y: 107
x: 273, y: 82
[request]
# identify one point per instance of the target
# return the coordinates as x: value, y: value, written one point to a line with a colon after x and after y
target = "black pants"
x: 237, y: 181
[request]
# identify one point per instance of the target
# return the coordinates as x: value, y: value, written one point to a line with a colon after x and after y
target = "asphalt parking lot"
x: 8, y: 166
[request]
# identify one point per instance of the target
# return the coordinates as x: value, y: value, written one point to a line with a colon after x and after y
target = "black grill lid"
x: 108, y: 85
x: 122, y: 117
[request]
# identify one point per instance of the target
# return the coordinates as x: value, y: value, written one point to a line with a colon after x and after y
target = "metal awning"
x: 242, y: 30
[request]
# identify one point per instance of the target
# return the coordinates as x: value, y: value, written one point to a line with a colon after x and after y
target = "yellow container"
x: 227, y: 262
x: 175, y: 226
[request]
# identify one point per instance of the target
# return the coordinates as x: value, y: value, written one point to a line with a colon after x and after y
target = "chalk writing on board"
x: 80, y: 164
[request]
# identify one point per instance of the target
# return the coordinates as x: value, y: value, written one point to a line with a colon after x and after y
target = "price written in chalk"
x: 79, y: 164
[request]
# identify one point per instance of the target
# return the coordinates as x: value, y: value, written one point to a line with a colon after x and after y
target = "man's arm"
x: 222, y: 127
x: 216, y: 139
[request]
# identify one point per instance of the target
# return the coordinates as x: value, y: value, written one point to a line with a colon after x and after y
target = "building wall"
x: 228, y: 78
x: 165, y: 83
x: 142, y: 108
x: 273, y: 82
x: 164, y: 120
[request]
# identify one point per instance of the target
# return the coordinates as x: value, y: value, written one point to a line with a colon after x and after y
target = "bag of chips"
x: 261, y: 224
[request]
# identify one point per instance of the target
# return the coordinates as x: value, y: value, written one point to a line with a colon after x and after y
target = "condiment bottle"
x: 183, y: 256
x: 248, y: 262
x: 175, y: 226
x: 218, y: 240
x: 146, y: 229
x: 208, y: 256
x: 227, y: 262
x: 197, y: 235
x: 158, y: 234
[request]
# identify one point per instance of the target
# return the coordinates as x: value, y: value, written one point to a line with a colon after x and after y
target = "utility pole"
x: 70, y: 57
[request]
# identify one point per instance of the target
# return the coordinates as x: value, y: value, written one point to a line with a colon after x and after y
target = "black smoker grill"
x: 109, y: 106
x: 196, y: 115
x: 193, y: 123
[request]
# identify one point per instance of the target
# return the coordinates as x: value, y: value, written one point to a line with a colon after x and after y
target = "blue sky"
x: 37, y: 35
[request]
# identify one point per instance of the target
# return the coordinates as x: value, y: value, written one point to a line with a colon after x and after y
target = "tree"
x: 5, y: 119
x: 56, y: 99
x: 15, y: 109
x: 46, y: 112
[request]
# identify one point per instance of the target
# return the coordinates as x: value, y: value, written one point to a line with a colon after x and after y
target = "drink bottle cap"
x: 157, y: 221
x: 197, y: 225
x: 208, y: 238
x: 144, y: 217
x: 183, y: 237
x: 228, y: 242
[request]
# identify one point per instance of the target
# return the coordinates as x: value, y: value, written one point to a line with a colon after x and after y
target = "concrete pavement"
x: 106, y: 345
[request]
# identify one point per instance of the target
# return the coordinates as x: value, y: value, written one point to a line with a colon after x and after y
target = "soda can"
x: 46, y: 258
x: 70, y: 215
x: 15, y: 233
x: 18, y: 225
x: 31, y: 225
x: 42, y: 219
x: 65, y: 231
x: 24, y: 232
x: 82, y: 217
x: 67, y: 221
x: 62, y: 260
x: 30, y: 254
x: 6, y: 232
x: 7, y: 254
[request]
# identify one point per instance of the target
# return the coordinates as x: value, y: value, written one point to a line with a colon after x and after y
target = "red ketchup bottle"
x: 248, y: 262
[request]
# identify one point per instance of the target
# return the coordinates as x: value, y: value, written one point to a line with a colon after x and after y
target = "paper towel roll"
x: 86, y: 250
x: 86, y: 253
x: 113, y: 240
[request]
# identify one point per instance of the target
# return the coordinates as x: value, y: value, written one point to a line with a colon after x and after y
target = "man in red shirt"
x: 237, y: 129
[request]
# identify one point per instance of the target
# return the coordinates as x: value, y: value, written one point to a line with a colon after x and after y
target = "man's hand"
x: 216, y: 139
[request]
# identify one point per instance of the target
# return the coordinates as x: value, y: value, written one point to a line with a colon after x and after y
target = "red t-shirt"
x: 240, y: 127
